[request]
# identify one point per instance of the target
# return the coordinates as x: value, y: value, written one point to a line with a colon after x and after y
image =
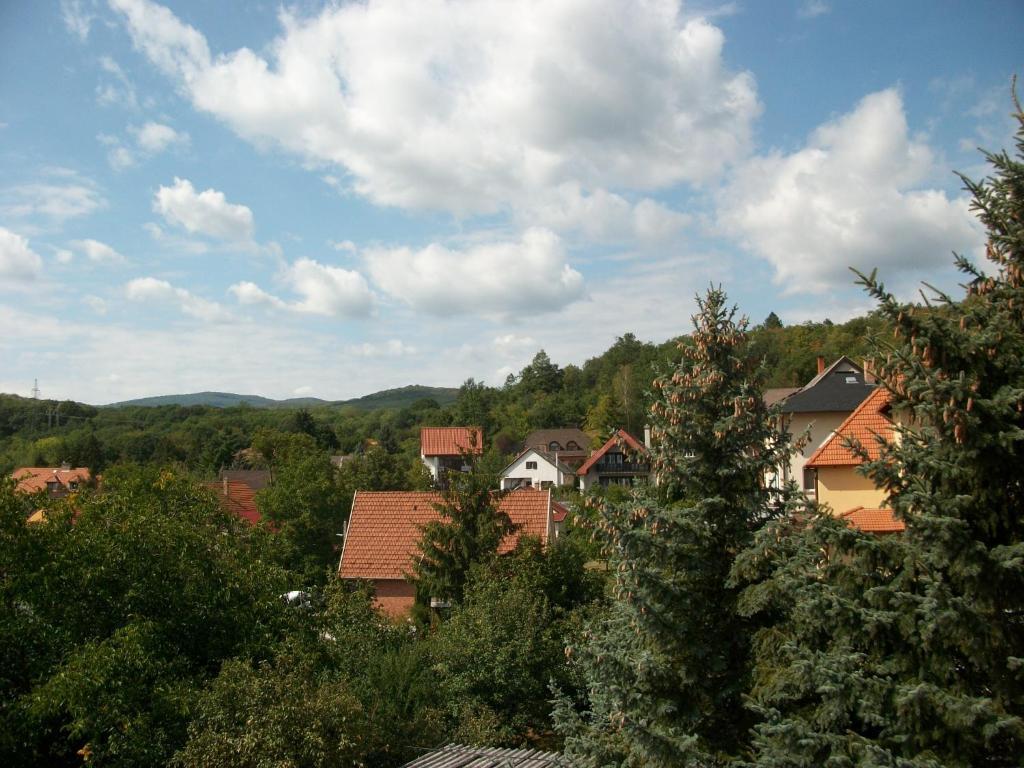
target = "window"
x: 545, y: 484
x: 613, y: 458
x: 554, y: 446
x: 572, y: 445
x: 531, y: 465
x: 809, y: 476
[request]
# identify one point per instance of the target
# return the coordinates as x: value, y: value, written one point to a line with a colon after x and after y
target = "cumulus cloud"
x: 98, y: 252
x: 473, y: 107
x: 603, y: 215
x: 18, y: 262
x: 856, y: 195
x: 389, y: 348
x: 151, y: 289
x: 206, y: 213
x: 156, y: 137
x: 531, y: 275
x: 323, y: 290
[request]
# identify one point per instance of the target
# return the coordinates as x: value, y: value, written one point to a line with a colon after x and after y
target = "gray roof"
x: 461, y: 756
x: 544, y: 437
x: 840, y: 387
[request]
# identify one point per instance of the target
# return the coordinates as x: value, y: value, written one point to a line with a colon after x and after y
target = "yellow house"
x: 817, y: 410
x: 837, y: 482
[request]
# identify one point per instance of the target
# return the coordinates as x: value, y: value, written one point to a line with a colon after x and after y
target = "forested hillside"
x: 606, y: 392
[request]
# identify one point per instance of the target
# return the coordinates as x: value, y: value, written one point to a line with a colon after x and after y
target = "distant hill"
x: 389, y: 398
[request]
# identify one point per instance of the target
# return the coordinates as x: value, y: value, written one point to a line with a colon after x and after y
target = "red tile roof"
x: 621, y: 438
x: 35, y: 479
x: 237, y: 498
x: 866, y: 425
x: 874, y: 520
x: 384, y: 528
x: 451, y: 441
x: 558, y: 511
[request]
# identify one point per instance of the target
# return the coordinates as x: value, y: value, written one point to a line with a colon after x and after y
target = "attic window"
x: 554, y: 446
x: 531, y: 465
x: 851, y: 379
x: 572, y: 445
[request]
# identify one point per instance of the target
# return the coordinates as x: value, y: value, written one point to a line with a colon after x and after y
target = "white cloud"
x: 97, y: 251
x: 206, y: 213
x: 18, y: 262
x: 96, y: 304
x: 475, y: 107
x: 77, y: 20
x: 324, y: 290
x: 390, y: 348
x: 531, y: 275
x: 63, y: 195
x: 151, y: 289
x: 156, y: 137
x: 64, y: 256
x: 810, y: 9
x: 855, y: 195
x: 346, y: 246
x: 303, y: 391
x: 602, y: 215
x: 116, y: 89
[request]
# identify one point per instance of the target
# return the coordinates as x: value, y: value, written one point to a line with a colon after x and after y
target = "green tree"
x: 667, y: 668
x: 468, y: 532
x: 908, y: 650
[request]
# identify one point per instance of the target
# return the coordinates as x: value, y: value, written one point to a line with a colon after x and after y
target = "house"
x: 57, y: 482
x: 237, y: 498
x: 571, y: 444
x: 623, y: 460
x: 838, y: 484
x: 384, y: 531
x: 817, y: 409
x: 536, y: 468
x: 465, y: 756
x: 444, y: 449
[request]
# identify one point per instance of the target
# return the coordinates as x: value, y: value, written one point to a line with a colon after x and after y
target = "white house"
x: 446, y: 449
x: 534, y: 468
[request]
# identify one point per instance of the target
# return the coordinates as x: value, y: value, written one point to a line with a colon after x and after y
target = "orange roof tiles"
x: 35, y: 479
x: 384, y: 528
x: 237, y: 498
x: 622, y: 436
x: 866, y: 425
x: 874, y: 520
x: 451, y: 441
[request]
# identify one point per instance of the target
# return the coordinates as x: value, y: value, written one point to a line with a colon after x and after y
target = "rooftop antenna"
x: 35, y: 389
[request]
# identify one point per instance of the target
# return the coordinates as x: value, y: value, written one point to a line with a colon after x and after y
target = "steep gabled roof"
x: 865, y: 425
x: 548, y: 457
x: 874, y: 520
x: 35, y: 479
x: 840, y: 387
x: 462, y: 756
x: 384, y: 528
x: 451, y: 441
x: 622, y: 437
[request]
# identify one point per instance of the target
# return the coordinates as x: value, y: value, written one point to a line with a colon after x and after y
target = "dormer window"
x: 554, y: 446
x: 572, y: 445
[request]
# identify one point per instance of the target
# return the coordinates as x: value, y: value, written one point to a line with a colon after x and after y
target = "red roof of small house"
x: 238, y: 498
x: 35, y: 479
x: 451, y: 441
x: 865, y: 425
x: 558, y: 511
x: 384, y: 529
x: 874, y: 520
x: 620, y: 438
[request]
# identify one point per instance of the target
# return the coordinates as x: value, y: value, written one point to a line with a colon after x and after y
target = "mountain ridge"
x: 397, y: 397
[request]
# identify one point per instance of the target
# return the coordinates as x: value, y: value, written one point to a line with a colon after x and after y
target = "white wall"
x: 821, y: 425
x: 545, y: 472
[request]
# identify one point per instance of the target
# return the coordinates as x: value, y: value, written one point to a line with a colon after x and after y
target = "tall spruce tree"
x: 667, y: 667
x: 909, y: 650
x: 469, y: 531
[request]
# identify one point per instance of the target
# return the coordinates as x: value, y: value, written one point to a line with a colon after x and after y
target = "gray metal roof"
x: 462, y: 756
x: 840, y: 387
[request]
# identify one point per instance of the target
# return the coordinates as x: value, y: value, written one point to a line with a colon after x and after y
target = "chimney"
x: 647, y: 435
x: 821, y: 364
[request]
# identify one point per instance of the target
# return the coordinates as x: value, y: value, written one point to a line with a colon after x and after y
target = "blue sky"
x: 330, y: 200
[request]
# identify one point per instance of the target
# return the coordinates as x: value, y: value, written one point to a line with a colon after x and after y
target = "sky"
x: 328, y: 200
